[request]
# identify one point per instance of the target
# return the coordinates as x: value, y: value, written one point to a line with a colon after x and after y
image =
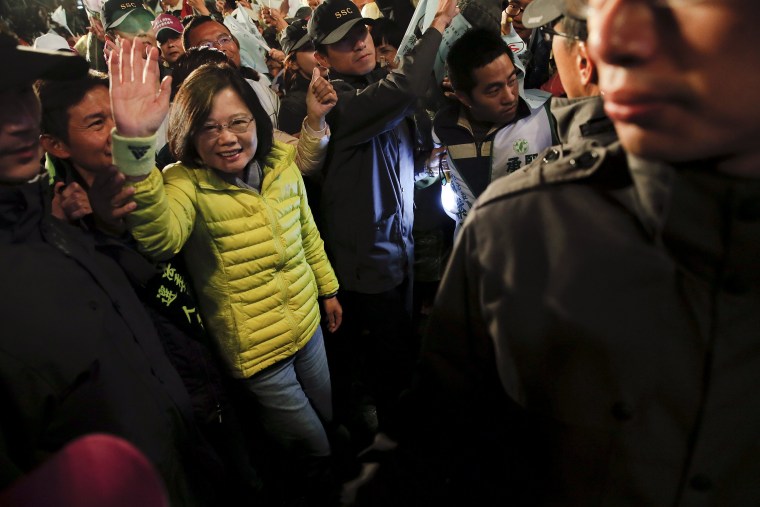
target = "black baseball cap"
x: 296, y: 35
x: 30, y: 64
x: 333, y: 19
x: 302, y: 13
x: 542, y: 12
x: 114, y: 12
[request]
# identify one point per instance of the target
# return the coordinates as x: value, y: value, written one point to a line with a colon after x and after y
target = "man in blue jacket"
x: 367, y: 198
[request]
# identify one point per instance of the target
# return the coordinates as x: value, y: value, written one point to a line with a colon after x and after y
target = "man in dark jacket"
x: 78, y: 352
x: 491, y: 131
x: 596, y: 336
x: 368, y: 192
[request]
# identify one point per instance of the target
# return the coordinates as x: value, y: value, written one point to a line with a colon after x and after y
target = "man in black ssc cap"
x: 367, y: 200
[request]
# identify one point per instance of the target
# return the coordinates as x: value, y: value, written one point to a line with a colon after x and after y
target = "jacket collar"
x: 279, y: 159
x: 709, y: 221
x: 454, y: 116
x: 359, y: 82
x: 22, y: 208
x: 580, y: 117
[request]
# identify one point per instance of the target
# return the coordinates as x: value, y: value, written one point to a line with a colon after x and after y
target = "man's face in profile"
x: 680, y: 78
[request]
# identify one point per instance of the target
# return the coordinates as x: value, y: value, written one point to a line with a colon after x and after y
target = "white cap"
x: 52, y: 42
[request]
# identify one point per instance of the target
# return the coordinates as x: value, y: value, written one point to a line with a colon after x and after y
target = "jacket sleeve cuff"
x: 322, y: 135
x: 134, y: 156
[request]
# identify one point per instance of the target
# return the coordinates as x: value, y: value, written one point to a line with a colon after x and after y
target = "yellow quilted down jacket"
x: 257, y: 260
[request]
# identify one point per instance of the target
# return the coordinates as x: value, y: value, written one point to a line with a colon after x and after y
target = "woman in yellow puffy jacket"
x: 235, y: 205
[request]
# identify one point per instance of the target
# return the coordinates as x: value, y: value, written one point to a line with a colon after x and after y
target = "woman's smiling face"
x: 227, y: 151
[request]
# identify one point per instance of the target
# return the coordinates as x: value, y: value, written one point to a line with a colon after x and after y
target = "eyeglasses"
x: 514, y: 9
x: 212, y: 131
x: 221, y: 41
x: 548, y: 33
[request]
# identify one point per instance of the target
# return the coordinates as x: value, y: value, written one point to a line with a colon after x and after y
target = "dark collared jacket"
x: 474, y: 163
x: 368, y: 192
x: 582, y: 118
x: 78, y: 352
x: 596, y: 336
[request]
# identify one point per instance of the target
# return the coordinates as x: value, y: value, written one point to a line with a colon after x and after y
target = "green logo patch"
x: 520, y: 146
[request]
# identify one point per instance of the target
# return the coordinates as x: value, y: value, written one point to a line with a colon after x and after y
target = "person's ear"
x: 237, y: 43
x: 55, y: 146
x: 586, y: 66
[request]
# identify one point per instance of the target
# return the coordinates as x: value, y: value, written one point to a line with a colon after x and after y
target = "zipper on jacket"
x: 277, y: 237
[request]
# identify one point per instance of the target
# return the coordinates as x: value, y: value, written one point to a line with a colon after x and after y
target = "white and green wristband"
x: 134, y: 156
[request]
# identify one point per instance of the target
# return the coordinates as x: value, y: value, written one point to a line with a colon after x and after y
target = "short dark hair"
x: 192, y: 106
x: 385, y: 29
x: 473, y: 50
x: 193, y: 23
x: 57, y: 97
x: 191, y: 60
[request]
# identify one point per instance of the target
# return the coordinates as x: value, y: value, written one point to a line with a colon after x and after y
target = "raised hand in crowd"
x: 320, y: 99
x: 275, y: 18
x: 447, y: 10
x: 199, y: 7
x: 138, y: 101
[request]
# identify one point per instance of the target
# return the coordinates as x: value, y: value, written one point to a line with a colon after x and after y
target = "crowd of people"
x: 379, y: 253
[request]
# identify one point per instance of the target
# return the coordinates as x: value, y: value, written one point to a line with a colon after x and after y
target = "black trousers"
x: 372, y: 355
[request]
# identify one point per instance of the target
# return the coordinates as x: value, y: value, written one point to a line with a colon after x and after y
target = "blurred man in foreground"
x: 595, y: 339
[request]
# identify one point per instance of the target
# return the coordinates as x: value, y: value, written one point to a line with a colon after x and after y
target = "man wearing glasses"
x: 581, y: 113
x: 595, y: 337
x: 208, y: 32
x: 536, y: 58
x: 514, y: 12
